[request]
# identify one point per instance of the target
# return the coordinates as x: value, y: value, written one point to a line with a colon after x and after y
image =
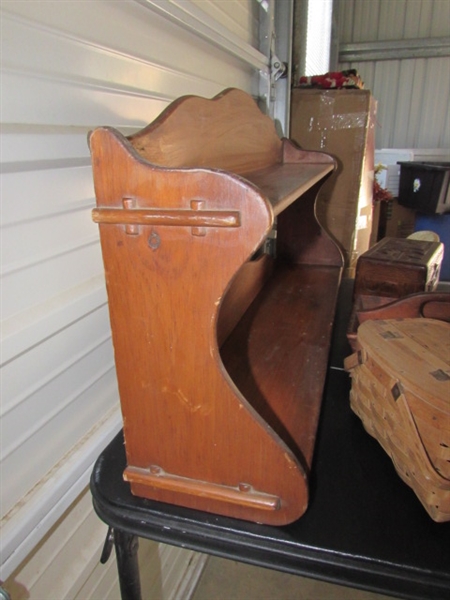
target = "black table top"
x: 364, y: 527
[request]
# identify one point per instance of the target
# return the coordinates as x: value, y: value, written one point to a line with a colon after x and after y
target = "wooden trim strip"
x: 243, y: 495
x: 167, y: 217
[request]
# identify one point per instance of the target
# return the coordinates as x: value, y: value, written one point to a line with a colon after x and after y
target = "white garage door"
x: 68, y: 67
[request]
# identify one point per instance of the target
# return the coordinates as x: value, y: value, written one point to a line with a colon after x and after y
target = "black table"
x: 364, y: 527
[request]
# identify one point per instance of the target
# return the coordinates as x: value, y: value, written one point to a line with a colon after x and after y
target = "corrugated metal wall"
x: 68, y: 67
x: 413, y: 92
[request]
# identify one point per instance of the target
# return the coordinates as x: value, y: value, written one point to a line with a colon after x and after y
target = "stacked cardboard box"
x: 341, y: 123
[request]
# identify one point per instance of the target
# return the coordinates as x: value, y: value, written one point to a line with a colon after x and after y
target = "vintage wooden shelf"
x: 221, y: 347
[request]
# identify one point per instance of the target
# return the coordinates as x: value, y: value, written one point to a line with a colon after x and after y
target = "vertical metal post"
x: 283, y: 40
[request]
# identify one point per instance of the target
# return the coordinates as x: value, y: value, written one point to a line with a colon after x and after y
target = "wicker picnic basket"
x: 401, y: 392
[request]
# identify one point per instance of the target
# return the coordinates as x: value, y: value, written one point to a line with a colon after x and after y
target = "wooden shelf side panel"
x: 220, y: 356
x: 191, y: 437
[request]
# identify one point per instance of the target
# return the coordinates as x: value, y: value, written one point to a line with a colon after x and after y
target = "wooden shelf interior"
x: 284, y: 183
x: 277, y: 354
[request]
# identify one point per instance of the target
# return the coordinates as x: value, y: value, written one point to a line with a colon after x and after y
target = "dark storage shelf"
x: 425, y: 186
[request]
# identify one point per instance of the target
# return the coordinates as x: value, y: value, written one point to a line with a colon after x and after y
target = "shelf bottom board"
x: 278, y: 354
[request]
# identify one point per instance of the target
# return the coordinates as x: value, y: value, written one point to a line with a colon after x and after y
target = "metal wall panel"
x: 68, y: 67
x: 67, y: 564
x: 413, y: 93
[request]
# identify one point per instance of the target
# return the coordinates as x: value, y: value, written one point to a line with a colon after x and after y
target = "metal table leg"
x: 126, y: 546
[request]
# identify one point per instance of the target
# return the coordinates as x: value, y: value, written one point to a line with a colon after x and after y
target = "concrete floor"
x: 229, y: 580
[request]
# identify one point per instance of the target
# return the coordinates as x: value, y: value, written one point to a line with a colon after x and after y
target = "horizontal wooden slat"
x: 244, y: 494
x: 285, y: 183
x: 170, y: 217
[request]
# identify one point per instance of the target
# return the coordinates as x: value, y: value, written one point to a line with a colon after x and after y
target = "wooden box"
x: 401, y: 392
x: 393, y: 269
x: 396, y: 267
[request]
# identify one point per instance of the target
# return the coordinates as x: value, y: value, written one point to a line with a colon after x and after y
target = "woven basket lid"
x: 416, y: 352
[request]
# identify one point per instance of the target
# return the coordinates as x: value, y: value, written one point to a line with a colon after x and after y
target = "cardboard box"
x: 341, y: 123
x: 395, y: 220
